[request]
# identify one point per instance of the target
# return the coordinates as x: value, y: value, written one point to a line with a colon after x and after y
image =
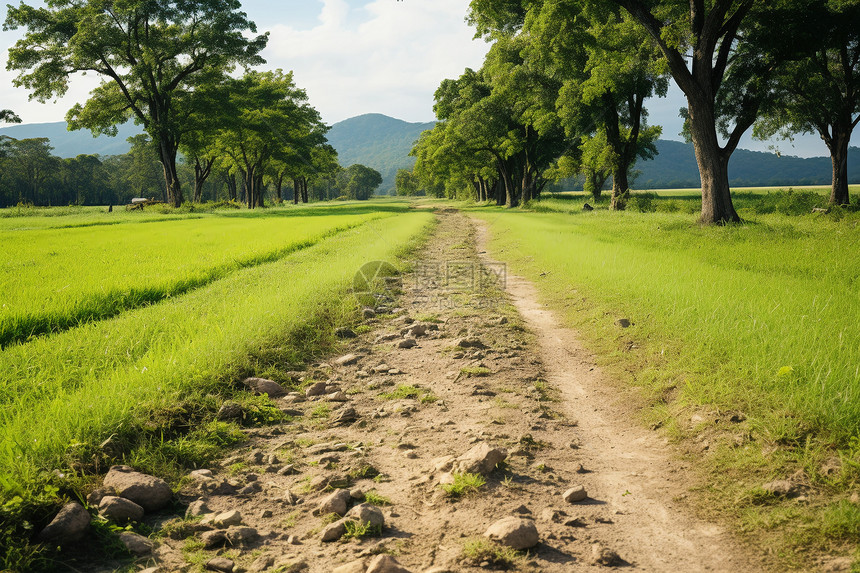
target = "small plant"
x: 330, y: 518
x: 364, y: 471
x: 237, y: 468
x: 528, y: 443
x: 373, y: 498
x: 362, y: 329
x: 358, y: 530
x: 502, y: 403
x: 290, y: 521
x: 477, y: 551
x: 322, y: 411
x: 464, y: 484
x: 402, y: 392
x: 428, y: 398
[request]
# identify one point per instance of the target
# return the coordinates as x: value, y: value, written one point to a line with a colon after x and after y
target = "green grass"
x: 373, y: 498
x: 150, y: 376
x: 464, y: 484
x: 479, y: 550
x: 57, y: 277
x: 759, y: 318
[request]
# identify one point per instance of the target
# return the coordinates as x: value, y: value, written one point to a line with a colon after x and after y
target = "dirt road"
x: 451, y: 377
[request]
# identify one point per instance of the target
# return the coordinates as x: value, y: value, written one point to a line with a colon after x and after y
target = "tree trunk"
x: 296, y: 192
x: 620, y: 189
x: 201, y: 173
x: 838, y: 146
x: 304, y: 184
x: 167, y: 153
x: 717, y: 207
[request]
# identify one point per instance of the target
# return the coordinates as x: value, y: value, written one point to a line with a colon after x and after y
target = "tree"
x: 725, y: 82
x: 31, y: 165
x: 9, y: 116
x: 820, y: 91
x: 149, y: 53
x: 406, y: 183
x: 360, y: 181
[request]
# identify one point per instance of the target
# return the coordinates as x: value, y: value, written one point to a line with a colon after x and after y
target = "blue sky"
x: 367, y: 56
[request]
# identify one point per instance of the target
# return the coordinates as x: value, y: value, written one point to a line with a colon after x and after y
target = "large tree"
x: 722, y: 62
x: 148, y: 52
x: 819, y: 92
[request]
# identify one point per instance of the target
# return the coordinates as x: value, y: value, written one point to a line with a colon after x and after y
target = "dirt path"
x: 448, y: 379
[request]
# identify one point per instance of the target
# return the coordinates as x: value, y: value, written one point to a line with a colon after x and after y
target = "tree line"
x: 169, y: 67
x: 562, y: 90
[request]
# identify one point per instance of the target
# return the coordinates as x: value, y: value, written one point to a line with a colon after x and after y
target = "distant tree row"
x: 31, y: 175
x: 562, y: 89
x: 167, y: 66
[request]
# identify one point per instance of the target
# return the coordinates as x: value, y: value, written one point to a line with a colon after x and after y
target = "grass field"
x: 759, y: 319
x: 148, y: 377
x: 93, y: 266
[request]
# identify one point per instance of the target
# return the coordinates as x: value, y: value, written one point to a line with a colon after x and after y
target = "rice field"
x: 240, y: 294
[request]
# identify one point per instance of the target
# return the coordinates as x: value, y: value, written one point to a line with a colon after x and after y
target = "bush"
x: 789, y: 202
x: 643, y: 202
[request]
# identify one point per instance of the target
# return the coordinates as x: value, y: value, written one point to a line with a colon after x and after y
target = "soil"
x: 532, y: 390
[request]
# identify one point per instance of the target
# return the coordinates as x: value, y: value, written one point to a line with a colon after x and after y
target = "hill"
x: 675, y: 167
x: 378, y: 141
x: 73, y: 143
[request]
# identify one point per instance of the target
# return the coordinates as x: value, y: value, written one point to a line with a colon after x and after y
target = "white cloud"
x: 390, y: 62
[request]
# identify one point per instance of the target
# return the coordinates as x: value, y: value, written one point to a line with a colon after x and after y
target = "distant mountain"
x: 383, y: 143
x: 73, y: 143
x: 378, y: 141
x: 675, y: 167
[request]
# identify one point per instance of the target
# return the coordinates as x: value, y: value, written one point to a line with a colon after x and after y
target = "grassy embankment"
x: 151, y: 378
x: 759, y: 319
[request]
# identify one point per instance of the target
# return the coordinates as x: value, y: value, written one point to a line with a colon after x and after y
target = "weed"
x: 358, y: 530
x: 363, y: 471
x: 477, y: 551
x: 373, y: 498
x: 321, y: 411
x: 402, y: 392
x: 529, y: 443
x: 464, y: 484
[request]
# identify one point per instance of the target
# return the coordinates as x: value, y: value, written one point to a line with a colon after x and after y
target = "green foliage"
x: 373, y: 498
x: 359, y: 181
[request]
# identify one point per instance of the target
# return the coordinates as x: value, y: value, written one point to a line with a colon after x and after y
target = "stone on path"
x: 197, y: 508
x: 470, y: 342
x: 336, y: 502
x: 137, y: 545
x: 367, y: 514
x: 347, y: 360
x: 263, y: 386
x: 221, y: 564
x: 481, y: 459
x: 149, y: 492
x: 574, y: 494
x: 120, y: 510
x: 68, y: 526
x: 333, y: 531
x: 604, y: 556
x: 514, y: 532
x: 385, y: 564
x: 407, y: 343
x: 351, y: 567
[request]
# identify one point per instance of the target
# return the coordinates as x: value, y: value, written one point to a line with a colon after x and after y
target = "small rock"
x: 261, y: 563
x: 587, y: 207
x: 361, y: 374
x: 623, y: 322
x: 553, y: 515
x: 351, y: 567
x: 333, y: 531
x: 337, y: 397
x: 368, y: 313
x: 266, y: 513
x: 367, y: 514
x: 241, y: 535
x: 294, y: 398
x: 780, y: 487
x: 120, y: 510
x: 197, y: 508
x: 68, y: 526
x: 855, y: 498
x: 407, y: 343
x: 316, y: 389
x: 221, y: 564
x: 291, y: 565
x: 381, y: 368
x: 149, y: 492
x: 95, y: 498
x: 344, y: 417
x: 575, y: 494
x: 347, y: 360
x: 469, y: 342
x: 385, y: 564
x: 137, y: 545
x: 344, y: 332
x: 336, y: 502
x: 837, y: 565
x: 263, y: 386
x: 604, y: 556
x: 514, y: 532
x: 293, y: 540
x: 481, y: 459
x: 288, y: 470
x: 201, y: 475
x: 230, y: 411
x: 522, y: 510
x: 212, y: 539
x: 227, y: 518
